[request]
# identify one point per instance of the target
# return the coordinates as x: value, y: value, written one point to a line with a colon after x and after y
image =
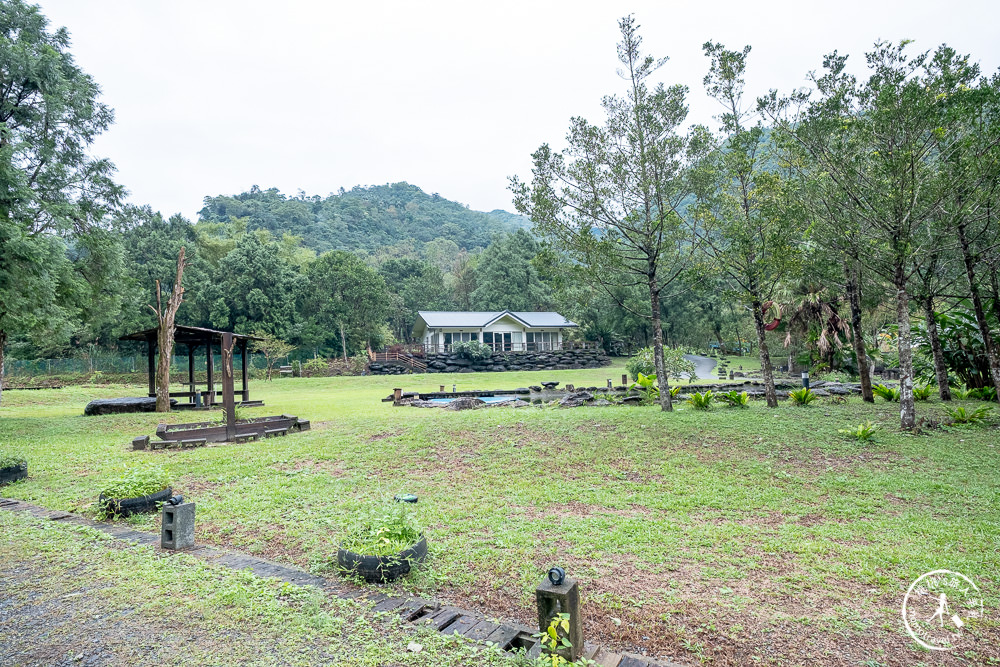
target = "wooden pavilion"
x: 196, y: 338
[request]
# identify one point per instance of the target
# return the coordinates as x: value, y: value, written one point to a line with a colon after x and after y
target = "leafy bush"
x: 890, y: 394
x: 675, y: 392
x: 922, y: 393
x: 701, y: 401
x: 960, y: 415
x: 141, y: 480
x: 960, y: 394
x: 673, y: 360
x: 736, y: 399
x: 473, y: 350
x: 863, y: 432
x: 317, y: 367
x: 647, y: 384
x: 9, y: 459
x: 357, y: 364
x: 982, y: 393
x: 385, y: 533
x: 803, y: 396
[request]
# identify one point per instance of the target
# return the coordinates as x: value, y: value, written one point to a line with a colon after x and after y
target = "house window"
x: 541, y: 340
x: 500, y: 341
x: 459, y: 337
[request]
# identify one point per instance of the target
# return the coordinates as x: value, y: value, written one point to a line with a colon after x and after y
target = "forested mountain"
x: 363, y: 218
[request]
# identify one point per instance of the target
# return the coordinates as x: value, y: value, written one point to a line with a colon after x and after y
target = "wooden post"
x: 625, y: 380
x: 191, y: 385
x: 151, y: 352
x: 563, y: 598
x: 210, y: 371
x: 397, y: 395
x: 228, y: 393
x: 243, y: 367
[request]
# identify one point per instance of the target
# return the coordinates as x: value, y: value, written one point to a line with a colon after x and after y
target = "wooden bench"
x: 246, y: 437
x: 272, y: 432
x: 285, y: 370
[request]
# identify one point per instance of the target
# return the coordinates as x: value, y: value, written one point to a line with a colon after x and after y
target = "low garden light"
x: 805, y: 379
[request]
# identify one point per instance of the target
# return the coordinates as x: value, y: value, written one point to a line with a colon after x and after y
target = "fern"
x: 922, y: 393
x: 863, y: 432
x: 890, y: 394
x: 736, y: 399
x: 960, y: 415
x: 701, y: 401
x: 803, y: 396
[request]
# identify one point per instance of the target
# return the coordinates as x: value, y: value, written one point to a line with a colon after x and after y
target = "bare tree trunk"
x: 343, y: 341
x: 765, y: 356
x: 977, y: 305
x: 907, y: 409
x: 858, y: 339
x: 165, y: 335
x: 3, y: 361
x: 940, y: 369
x: 666, y: 404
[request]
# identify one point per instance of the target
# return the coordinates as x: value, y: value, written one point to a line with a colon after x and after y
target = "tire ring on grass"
x: 127, y: 506
x: 13, y: 473
x: 378, y: 569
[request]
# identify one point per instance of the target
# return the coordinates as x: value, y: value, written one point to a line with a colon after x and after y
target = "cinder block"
x: 142, y: 442
x: 177, y: 527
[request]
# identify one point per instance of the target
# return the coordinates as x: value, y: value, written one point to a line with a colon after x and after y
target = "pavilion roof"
x: 185, y: 334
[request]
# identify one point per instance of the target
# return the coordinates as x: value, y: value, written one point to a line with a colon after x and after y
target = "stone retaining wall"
x: 500, y: 361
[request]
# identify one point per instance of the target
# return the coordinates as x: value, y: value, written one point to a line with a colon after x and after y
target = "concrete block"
x: 177, y: 527
x: 142, y: 442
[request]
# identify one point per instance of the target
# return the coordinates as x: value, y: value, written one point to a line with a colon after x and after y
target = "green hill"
x: 363, y: 218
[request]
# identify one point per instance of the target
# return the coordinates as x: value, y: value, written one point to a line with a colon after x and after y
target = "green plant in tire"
x: 136, y: 482
x: 385, y: 533
x: 803, y: 396
x: 11, y: 459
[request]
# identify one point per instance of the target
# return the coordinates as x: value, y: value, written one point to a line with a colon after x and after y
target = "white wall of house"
x: 517, y: 331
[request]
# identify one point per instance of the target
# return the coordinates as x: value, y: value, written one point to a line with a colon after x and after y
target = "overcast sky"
x: 213, y: 96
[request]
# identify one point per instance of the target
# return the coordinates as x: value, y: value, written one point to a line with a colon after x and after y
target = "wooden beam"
x: 191, y: 385
x: 150, y: 353
x: 228, y: 394
x: 243, y: 365
x: 210, y: 367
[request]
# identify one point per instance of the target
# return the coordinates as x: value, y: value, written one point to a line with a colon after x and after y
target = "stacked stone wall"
x: 446, y: 362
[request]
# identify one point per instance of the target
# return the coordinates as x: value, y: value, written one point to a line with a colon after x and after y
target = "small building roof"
x: 451, y: 319
x: 185, y: 334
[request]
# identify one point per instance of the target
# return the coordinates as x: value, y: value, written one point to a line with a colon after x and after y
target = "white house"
x: 502, y: 330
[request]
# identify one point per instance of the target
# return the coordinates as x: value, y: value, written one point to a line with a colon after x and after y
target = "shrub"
x: 9, y: 459
x: 863, y: 432
x: 383, y: 534
x: 647, y: 385
x: 315, y: 367
x: 473, y: 350
x: 960, y: 415
x: 922, y: 393
x: 890, y: 394
x: 701, y: 401
x: 673, y: 360
x: 960, y: 394
x: 736, y: 399
x: 139, y: 481
x: 803, y: 396
x: 675, y: 392
x: 982, y: 393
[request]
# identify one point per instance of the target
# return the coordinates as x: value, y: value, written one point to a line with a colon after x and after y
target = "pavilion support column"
x: 191, y: 385
x: 210, y: 369
x: 151, y: 354
x: 243, y: 367
x: 228, y: 381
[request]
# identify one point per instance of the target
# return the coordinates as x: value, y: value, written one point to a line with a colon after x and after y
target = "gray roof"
x: 449, y: 318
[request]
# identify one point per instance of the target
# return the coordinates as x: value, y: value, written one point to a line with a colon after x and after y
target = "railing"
x: 521, y: 347
x: 399, y: 357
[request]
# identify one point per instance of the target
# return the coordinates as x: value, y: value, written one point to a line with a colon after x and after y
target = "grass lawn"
x: 728, y: 537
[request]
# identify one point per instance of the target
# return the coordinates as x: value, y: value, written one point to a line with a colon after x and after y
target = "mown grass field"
x: 726, y: 537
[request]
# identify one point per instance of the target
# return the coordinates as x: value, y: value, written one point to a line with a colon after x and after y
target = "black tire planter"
x: 13, y: 473
x: 127, y: 506
x: 379, y: 569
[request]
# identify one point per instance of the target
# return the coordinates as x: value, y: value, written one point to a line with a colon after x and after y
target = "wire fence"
x: 102, y: 363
